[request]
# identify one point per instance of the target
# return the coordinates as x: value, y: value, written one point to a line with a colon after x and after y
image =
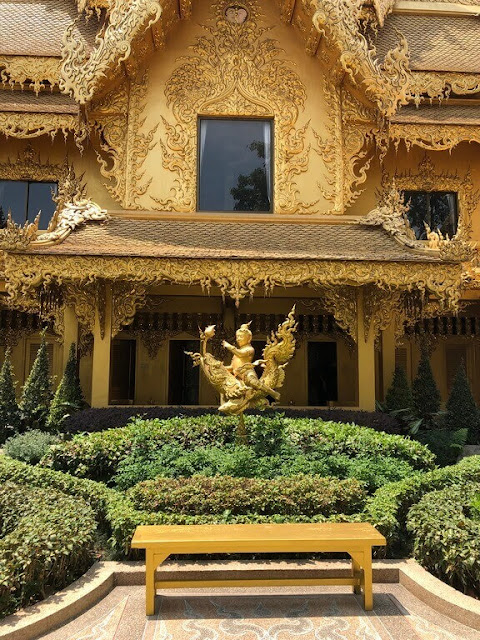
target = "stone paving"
x: 310, y: 613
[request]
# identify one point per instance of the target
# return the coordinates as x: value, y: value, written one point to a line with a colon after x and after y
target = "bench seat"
x: 356, y: 539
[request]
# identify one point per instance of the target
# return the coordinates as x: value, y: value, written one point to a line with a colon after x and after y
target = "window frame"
x: 29, y: 182
x: 429, y: 193
x: 269, y: 119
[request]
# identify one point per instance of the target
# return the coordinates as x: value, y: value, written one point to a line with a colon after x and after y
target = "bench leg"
x: 152, y: 561
x: 356, y: 571
x: 367, y: 579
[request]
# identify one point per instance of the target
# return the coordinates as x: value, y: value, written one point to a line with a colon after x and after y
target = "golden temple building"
x: 170, y: 164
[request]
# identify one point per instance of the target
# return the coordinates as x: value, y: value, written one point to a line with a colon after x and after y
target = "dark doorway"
x: 183, y: 377
x: 322, y: 373
x: 122, y: 372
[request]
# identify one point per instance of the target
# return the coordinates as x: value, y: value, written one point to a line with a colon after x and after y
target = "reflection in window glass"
x: 235, y: 159
x: 25, y: 199
x: 438, y: 209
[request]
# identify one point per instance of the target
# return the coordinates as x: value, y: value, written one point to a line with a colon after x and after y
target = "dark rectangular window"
x: 183, y: 377
x: 322, y: 373
x: 25, y: 199
x: 235, y: 165
x: 438, y: 209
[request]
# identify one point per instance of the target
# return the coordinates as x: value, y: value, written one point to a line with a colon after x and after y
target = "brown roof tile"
x: 198, y: 239
x: 436, y: 43
x: 439, y: 114
x: 36, y: 27
x: 45, y: 102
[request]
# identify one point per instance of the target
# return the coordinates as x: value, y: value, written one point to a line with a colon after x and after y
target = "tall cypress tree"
x: 37, y: 391
x: 399, y: 396
x: 426, y: 396
x: 10, y: 421
x: 462, y: 412
x: 68, y: 396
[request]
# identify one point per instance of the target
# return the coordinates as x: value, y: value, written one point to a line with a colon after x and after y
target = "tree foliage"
x: 399, y: 396
x: 37, y: 391
x: 68, y: 396
x: 10, y: 420
x: 426, y: 396
x: 462, y: 412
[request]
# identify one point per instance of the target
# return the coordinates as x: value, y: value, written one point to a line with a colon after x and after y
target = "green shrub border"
x: 388, y: 508
x: 446, y: 538
x: 48, y: 540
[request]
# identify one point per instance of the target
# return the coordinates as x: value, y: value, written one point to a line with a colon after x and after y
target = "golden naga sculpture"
x: 239, y: 386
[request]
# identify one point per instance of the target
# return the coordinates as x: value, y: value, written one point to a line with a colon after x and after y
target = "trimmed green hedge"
x: 98, y: 455
x: 46, y: 542
x: 297, y: 495
x: 447, y: 538
x: 387, y: 509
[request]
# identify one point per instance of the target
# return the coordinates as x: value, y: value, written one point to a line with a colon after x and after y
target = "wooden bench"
x: 355, y: 539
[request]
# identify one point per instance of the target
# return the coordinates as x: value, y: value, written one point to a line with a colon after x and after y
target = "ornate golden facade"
x: 359, y: 111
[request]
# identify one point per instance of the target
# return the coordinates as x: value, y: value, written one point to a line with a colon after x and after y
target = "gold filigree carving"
x: 118, y: 120
x: 29, y: 71
x: 391, y: 214
x: 14, y: 237
x: 439, y: 86
x: 25, y: 273
x: 235, y: 71
x: 83, y: 70
x: 32, y: 125
x: 127, y: 298
x: 69, y: 218
x: 28, y: 166
x: 342, y: 302
x: 381, y: 307
x: 428, y: 178
x: 385, y: 83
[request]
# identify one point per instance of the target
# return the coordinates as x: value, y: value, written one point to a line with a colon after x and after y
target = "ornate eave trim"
x: 81, y: 71
x: 24, y: 273
x: 429, y: 136
x: 440, y: 85
x: 32, y: 125
x: 29, y: 71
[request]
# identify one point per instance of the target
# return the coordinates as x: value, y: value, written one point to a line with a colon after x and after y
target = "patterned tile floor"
x: 263, y: 614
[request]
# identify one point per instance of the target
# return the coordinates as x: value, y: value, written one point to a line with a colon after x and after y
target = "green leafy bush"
x: 399, y: 396
x: 446, y: 537
x: 10, y: 419
x: 30, y: 446
x: 387, y: 509
x: 298, y: 495
x: 244, y: 462
x: 46, y: 542
x: 446, y: 445
x: 98, y: 455
x: 68, y: 397
x: 426, y: 396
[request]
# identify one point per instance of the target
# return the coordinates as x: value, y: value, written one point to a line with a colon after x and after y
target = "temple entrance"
x: 322, y: 373
x: 122, y: 368
x: 183, y: 378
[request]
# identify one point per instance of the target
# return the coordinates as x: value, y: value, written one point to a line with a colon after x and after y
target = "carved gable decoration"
x: 235, y: 69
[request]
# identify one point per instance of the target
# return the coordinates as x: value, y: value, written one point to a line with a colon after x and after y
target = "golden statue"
x: 239, y: 386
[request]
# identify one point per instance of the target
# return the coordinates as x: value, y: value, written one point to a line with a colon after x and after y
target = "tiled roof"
x: 439, y: 114
x: 45, y: 102
x: 436, y: 43
x: 198, y: 239
x: 36, y: 27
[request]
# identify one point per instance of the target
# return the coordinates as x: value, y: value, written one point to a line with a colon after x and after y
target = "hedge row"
x: 447, y: 538
x: 297, y: 495
x: 91, y: 420
x: 46, y: 542
x: 98, y: 455
x: 388, y: 508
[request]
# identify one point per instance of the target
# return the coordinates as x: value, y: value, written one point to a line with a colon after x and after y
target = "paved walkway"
x: 264, y: 614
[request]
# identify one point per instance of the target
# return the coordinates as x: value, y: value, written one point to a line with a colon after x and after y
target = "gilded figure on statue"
x: 238, y: 384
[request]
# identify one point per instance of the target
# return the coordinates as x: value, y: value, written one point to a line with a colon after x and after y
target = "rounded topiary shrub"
x: 31, y: 446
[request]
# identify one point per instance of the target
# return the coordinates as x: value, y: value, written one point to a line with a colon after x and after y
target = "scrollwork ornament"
x: 33, y: 72
x: 235, y: 70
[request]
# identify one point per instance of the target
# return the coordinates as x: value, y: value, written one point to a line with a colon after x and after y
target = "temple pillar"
x: 366, y: 359
x: 102, y: 343
x: 70, y: 334
x: 388, y: 356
